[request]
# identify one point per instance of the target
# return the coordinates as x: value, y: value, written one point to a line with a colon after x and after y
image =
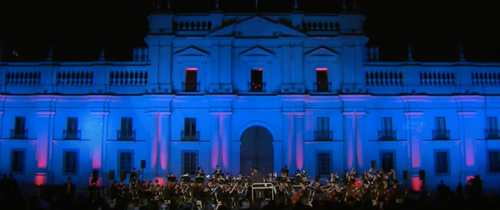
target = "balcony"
x: 190, y: 136
x: 125, y: 135
x: 387, y: 135
x: 19, y: 134
x: 190, y: 86
x: 491, y: 134
x: 322, y: 86
x: 257, y: 87
x: 323, y: 135
x: 441, y: 134
x: 72, y: 134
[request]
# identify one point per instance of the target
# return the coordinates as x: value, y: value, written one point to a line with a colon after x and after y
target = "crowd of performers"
x: 217, y: 189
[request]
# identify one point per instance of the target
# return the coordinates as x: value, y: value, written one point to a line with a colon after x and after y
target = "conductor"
x: 257, y: 176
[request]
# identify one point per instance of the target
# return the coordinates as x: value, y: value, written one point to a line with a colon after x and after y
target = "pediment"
x: 192, y: 52
x: 322, y: 52
x: 256, y: 52
x: 257, y: 27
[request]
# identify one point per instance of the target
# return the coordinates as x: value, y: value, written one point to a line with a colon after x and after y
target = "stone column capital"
x: 99, y: 113
x: 466, y: 114
x: 45, y: 113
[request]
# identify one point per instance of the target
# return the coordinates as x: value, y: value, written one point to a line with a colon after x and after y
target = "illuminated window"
x: 256, y: 80
x: 322, y: 84
x: 70, y: 162
x: 125, y: 161
x: 126, y: 132
x: 442, y: 162
x: 387, y: 160
x: 494, y: 161
x: 323, y: 163
x: 17, y: 161
x: 19, y: 131
x: 191, y: 84
x: 71, y: 131
x: 189, y: 161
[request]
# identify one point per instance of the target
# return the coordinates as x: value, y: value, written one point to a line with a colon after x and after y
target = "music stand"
x: 263, y: 190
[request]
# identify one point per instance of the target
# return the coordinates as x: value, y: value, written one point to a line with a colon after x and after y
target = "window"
x: 387, y: 160
x: 322, y: 84
x: 492, y: 128
x: 126, y: 132
x: 71, y: 131
x: 70, y: 162
x: 440, y: 132
x: 387, y: 133
x: 190, y: 133
x: 19, y: 131
x: 18, y: 161
x: 256, y: 82
x: 191, y: 84
x: 189, y: 161
x: 323, y: 163
x: 442, y: 162
x: 125, y: 161
x: 323, y: 129
x: 494, y: 161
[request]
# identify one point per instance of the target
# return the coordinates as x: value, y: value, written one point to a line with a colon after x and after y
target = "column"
x: 349, y: 140
x: 213, y: 71
x: 214, y: 141
x: 225, y: 137
x: 1, y: 122
x: 44, y: 147
x: 164, y: 144
x: 286, y: 63
x: 153, y: 162
x: 98, y: 143
x: 165, y: 66
x: 360, y: 137
x: 414, y: 126
x: 299, y: 141
x: 287, y: 140
x: 225, y: 65
x: 467, y: 127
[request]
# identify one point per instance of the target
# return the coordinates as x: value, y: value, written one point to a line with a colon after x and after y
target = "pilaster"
x: 467, y: 146
x: 164, y: 144
x: 349, y: 139
x: 215, y: 64
x: 414, y: 126
x: 299, y: 140
x: 165, y: 65
x: 287, y: 140
x: 225, y: 136
x: 99, y: 142
x: 215, y: 155
x: 360, y: 137
x: 1, y: 123
x: 45, y: 122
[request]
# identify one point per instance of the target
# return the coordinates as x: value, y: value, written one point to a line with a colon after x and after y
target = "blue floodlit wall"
x: 224, y: 48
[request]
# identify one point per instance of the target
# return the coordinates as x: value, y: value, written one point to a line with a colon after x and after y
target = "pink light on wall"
x: 96, y: 157
x: 191, y: 69
x: 468, y: 178
x: 215, y: 143
x: 290, y: 141
x: 359, y: 143
x: 41, y: 152
x: 299, y: 141
x: 154, y: 147
x: 163, y: 147
x: 321, y: 69
x: 415, y: 184
x: 469, y: 152
x: 415, y: 152
x: 225, y: 141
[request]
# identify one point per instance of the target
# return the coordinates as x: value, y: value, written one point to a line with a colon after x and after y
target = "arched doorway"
x: 256, y: 150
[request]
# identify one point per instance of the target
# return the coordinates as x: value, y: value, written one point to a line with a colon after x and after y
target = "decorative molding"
x: 159, y: 113
x: 221, y: 113
x: 354, y: 113
x: 466, y: 113
x: 45, y: 113
x: 293, y: 113
x: 99, y: 113
x: 408, y: 114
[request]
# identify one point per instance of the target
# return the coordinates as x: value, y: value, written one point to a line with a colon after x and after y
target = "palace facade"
x: 245, y: 90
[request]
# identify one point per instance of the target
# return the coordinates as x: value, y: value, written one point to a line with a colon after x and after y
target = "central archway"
x: 256, y: 150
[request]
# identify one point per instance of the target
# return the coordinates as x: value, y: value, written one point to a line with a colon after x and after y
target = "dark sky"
x: 80, y: 28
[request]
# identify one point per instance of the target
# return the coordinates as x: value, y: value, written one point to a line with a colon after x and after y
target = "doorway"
x: 256, y: 151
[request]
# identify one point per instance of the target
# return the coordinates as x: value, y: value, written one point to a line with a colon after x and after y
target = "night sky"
x: 78, y: 29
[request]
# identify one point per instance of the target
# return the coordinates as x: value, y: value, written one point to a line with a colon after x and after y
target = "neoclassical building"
x: 246, y: 90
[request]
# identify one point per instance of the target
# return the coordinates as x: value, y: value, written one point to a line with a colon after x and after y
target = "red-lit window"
x: 256, y: 83
x: 322, y: 84
x: 191, y: 83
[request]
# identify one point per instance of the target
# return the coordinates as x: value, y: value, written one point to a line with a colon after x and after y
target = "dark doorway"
x: 256, y: 151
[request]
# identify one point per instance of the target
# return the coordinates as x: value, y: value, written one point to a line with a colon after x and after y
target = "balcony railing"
x: 190, y: 136
x: 191, y: 87
x: 323, y: 135
x: 322, y: 86
x: 441, y: 134
x: 387, y: 135
x: 491, y: 134
x: 256, y: 87
x: 18, y: 134
x: 125, y: 135
x: 72, y: 134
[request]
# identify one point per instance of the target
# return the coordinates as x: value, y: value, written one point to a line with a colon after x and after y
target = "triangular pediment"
x: 256, y: 52
x: 192, y: 52
x: 322, y: 52
x: 257, y: 27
